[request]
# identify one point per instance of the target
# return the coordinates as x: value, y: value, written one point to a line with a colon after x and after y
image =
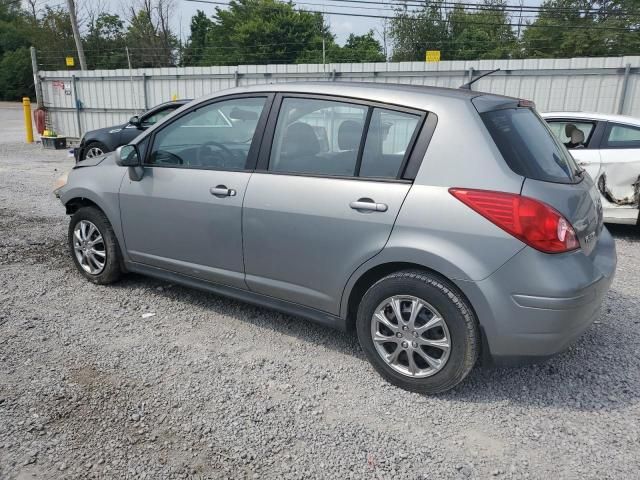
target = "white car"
x: 608, y: 148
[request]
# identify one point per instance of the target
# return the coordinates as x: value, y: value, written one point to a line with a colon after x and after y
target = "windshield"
x: 529, y: 147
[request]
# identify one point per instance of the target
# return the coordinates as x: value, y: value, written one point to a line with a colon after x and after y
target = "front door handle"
x: 368, y: 205
x: 221, y: 191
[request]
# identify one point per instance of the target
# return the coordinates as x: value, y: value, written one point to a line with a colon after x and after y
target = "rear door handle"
x: 368, y: 205
x: 222, y: 191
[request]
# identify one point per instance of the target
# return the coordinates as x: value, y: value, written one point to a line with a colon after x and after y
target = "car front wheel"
x: 418, y: 331
x: 94, y: 149
x: 93, y: 246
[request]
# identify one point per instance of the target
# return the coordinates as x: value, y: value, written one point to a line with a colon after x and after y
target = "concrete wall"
x: 80, y: 101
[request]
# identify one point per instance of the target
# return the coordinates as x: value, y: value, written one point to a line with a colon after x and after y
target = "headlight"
x: 59, y: 183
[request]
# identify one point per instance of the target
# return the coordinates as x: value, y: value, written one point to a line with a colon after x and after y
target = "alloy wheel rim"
x: 410, y: 336
x: 94, y: 152
x: 89, y: 247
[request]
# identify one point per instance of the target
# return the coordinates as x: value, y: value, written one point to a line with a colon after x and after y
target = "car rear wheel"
x: 418, y: 331
x: 94, y: 149
x: 93, y: 246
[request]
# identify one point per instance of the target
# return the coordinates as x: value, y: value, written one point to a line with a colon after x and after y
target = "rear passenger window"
x: 318, y: 137
x: 573, y: 134
x: 388, y: 141
x: 623, y: 136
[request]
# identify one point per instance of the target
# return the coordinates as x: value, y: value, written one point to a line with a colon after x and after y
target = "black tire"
x: 449, y: 302
x: 112, y: 270
x: 91, y: 145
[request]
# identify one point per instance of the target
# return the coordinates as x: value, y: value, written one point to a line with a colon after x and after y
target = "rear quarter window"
x: 528, y: 146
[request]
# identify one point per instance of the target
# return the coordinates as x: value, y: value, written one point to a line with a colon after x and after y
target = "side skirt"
x: 294, y: 309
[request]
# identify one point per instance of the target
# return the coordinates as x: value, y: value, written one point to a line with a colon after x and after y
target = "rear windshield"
x: 529, y: 147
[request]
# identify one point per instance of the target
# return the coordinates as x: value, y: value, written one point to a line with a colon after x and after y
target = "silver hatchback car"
x: 443, y: 225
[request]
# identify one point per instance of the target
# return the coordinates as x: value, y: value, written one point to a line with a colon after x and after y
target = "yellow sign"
x: 433, y: 56
x: 70, y: 61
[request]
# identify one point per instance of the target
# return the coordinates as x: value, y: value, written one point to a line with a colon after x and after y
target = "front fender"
x: 101, y: 186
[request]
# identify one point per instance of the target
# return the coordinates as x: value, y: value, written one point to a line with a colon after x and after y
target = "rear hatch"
x: 551, y: 175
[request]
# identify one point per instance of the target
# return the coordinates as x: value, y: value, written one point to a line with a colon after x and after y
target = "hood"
x: 94, y: 161
x: 98, y: 132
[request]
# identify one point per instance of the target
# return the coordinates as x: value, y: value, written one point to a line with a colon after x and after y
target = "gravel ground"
x: 206, y: 387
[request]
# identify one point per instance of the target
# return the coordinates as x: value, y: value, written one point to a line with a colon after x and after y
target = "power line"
x: 448, y: 5
x: 511, y: 24
x: 516, y: 8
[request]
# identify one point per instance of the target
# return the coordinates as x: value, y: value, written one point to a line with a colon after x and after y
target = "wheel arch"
x: 76, y: 203
x: 77, y: 198
x: 367, y: 275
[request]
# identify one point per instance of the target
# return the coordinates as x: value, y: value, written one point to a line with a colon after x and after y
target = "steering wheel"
x: 205, y: 151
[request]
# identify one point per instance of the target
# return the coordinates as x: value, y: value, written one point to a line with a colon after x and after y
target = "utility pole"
x: 76, y: 34
x: 36, y: 77
x: 324, y: 55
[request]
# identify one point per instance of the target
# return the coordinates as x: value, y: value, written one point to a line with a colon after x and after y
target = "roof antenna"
x: 467, y: 86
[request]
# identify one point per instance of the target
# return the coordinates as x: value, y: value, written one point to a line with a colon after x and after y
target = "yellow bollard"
x: 28, y: 126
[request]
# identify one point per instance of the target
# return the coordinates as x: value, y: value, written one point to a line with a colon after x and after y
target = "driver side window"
x: 216, y: 136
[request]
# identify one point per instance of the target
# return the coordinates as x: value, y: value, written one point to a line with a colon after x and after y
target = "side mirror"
x: 127, y: 156
x: 135, y: 121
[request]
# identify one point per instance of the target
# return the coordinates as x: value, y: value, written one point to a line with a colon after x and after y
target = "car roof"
x: 182, y: 101
x: 417, y: 96
x: 606, y: 117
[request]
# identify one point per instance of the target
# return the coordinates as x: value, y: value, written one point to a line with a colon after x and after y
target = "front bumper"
x: 536, y: 304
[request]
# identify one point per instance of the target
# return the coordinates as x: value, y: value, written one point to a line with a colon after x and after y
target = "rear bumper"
x: 537, y: 304
x: 623, y: 215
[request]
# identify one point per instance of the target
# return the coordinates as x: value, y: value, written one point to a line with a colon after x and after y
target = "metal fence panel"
x: 79, y: 101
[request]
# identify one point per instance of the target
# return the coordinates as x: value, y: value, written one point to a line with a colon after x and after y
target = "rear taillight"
x: 531, y: 221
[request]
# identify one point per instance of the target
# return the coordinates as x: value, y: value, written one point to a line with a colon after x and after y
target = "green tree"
x: 265, y: 31
x: 52, y: 35
x: 459, y: 33
x: 570, y: 28
x: 16, y: 78
x: 358, y: 48
x: 104, y: 44
x: 413, y: 33
x: 149, y: 37
x: 193, y: 53
x: 482, y: 33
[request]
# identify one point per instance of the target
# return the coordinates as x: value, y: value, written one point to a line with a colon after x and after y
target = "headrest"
x: 349, y: 135
x: 577, y: 137
x: 300, y: 139
x: 568, y: 128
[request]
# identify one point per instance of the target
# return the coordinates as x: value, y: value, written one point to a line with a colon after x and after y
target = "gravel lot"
x: 207, y: 387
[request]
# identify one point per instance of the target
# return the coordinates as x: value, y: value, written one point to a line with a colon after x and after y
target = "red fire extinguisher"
x: 39, y: 119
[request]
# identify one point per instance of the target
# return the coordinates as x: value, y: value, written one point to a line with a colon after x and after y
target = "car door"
x: 586, y: 153
x: 184, y: 215
x: 620, y: 173
x: 325, y: 195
